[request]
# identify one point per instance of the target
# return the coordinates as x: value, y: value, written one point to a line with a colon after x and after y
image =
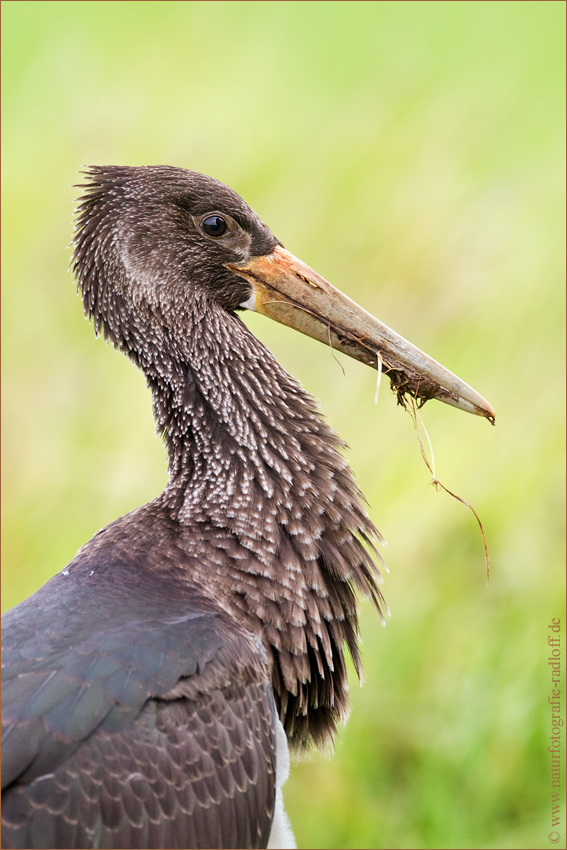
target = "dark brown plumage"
x: 260, y: 519
x: 142, y: 683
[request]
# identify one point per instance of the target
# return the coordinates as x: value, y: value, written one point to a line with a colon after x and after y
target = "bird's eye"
x: 214, y: 225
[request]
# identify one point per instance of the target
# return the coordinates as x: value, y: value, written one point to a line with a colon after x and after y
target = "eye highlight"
x: 214, y: 225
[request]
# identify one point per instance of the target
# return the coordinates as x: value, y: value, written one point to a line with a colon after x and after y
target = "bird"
x: 154, y: 688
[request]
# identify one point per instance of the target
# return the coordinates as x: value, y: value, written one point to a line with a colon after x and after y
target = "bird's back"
x: 136, y: 713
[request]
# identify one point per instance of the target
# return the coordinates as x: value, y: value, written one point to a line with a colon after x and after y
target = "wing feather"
x: 137, y: 731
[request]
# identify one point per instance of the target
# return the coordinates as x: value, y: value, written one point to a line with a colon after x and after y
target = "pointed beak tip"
x: 465, y: 398
x: 483, y: 408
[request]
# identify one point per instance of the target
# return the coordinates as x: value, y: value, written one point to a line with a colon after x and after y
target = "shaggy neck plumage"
x: 230, y: 415
x: 269, y: 520
x: 268, y: 508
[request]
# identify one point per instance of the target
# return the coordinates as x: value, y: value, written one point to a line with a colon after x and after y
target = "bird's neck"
x: 237, y: 428
x: 268, y: 512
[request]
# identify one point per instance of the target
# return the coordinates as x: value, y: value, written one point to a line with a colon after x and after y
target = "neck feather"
x: 269, y: 510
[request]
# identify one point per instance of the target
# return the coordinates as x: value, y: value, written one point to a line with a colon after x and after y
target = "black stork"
x: 152, y: 687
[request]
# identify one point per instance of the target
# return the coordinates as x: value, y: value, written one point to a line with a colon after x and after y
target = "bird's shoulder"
x: 135, y: 711
x: 105, y: 635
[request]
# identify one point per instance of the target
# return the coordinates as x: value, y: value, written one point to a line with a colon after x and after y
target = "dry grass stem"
x: 379, y: 378
x: 438, y: 484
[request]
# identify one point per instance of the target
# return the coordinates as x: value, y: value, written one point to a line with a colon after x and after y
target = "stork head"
x: 153, y: 242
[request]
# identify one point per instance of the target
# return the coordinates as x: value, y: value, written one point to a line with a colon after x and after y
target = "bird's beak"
x: 287, y: 290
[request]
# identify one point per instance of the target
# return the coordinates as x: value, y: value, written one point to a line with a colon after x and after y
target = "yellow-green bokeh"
x: 413, y: 153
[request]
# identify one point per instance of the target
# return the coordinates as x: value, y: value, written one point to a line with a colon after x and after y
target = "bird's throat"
x: 269, y: 515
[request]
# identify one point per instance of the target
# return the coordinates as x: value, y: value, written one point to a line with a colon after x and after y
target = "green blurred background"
x: 412, y: 153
